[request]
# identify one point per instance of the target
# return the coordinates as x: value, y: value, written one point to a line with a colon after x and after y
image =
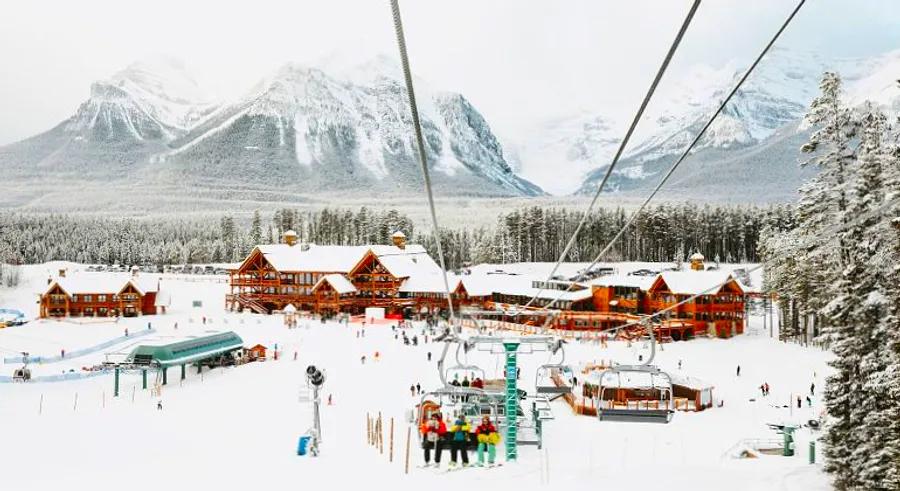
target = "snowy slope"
x: 126, y: 120
x: 222, y: 429
x: 300, y: 128
x: 773, y: 100
x: 347, y: 130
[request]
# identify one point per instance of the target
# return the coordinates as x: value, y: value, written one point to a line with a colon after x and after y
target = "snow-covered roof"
x: 90, y: 282
x: 483, y: 283
x: 430, y: 283
x: 631, y: 281
x: 695, y: 282
x: 689, y: 382
x: 338, y: 282
x: 312, y: 258
x: 697, y: 257
x: 399, y: 234
x: 407, y: 262
x: 289, y: 308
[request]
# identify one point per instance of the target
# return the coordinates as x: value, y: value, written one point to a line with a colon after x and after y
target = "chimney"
x: 134, y: 271
x: 697, y: 262
x: 290, y: 238
x: 62, y: 273
x: 399, y: 239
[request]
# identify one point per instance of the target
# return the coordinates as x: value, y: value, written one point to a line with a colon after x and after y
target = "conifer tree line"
x: 662, y: 233
x: 37, y: 238
x: 835, y: 265
x: 667, y: 232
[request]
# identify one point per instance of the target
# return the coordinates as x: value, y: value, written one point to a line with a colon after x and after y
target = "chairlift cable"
x: 687, y: 151
x: 622, y: 145
x: 420, y: 145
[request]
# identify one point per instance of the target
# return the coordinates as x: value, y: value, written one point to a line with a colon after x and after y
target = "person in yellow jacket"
x: 488, y: 438
x: 459, y: 440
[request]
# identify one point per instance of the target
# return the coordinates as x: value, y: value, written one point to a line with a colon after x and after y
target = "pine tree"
x: 256, y: 229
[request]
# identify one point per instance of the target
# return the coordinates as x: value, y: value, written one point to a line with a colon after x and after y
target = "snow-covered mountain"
x: 300, y: 129
x: 127, y: 118
x: 756, y: 135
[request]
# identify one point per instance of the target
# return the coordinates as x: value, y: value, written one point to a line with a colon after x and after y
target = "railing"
x: 79, y: 352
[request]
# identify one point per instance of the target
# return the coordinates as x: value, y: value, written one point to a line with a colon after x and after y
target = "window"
x: 101, y: 298
x: 85, y: 298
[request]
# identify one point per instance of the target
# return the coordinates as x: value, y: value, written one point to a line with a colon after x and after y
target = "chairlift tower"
x: 512, y: 399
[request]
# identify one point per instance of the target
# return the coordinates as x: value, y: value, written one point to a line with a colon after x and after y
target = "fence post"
x: 41, y: 405
x: 391, y: 445
x: 408, y: 431
x: 75, y: 405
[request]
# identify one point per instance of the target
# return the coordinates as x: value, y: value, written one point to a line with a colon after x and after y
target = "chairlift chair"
x: 544, y: 383
x: 611, y: 380
x: 607, y: 410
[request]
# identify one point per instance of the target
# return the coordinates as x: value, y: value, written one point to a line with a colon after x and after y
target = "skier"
x: 679, y: 364
x: 738, y: 370
x: 418, y: 388
x: 159, y: 405
x: 812, y: 389
x: 488, y: 438
x: 412, y: 390
x: 126, y: 332
x: 362, y: 359
x: 459, y: 441
x: 429, y: 356
x: 465, y: 382
x: 433, y: 433
x: 799, y: 403
x: 767, y: 388
x: 808, y: 401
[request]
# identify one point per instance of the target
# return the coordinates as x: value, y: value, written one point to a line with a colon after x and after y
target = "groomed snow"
x: 238, y: 427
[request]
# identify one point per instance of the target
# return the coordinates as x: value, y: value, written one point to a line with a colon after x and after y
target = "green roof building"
x: 169, y: 351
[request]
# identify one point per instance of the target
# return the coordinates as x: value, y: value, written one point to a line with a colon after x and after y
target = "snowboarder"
x: 738, y: 370
x: 488, y: 438
x: 459, y: 441
x: 433, y: 433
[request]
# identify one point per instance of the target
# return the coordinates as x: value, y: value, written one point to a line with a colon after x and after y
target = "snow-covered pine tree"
x: 256, y: 229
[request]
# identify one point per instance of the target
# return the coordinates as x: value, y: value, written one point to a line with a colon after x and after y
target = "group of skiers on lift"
x: 436, y: 435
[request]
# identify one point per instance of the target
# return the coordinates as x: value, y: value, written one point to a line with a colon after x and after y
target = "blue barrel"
x: 303, y: 444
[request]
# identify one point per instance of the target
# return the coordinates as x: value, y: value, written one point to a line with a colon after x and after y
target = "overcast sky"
x: 518, y: 61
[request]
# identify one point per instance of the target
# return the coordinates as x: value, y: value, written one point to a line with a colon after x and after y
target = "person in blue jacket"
x: 459, y: 441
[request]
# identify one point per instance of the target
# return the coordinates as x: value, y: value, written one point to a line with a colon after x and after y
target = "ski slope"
x: 238, y: 427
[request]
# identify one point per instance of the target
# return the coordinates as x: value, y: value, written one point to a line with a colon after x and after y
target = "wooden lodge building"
x: 404, y: 279
x: 100, y: 295
x: 331, y: 279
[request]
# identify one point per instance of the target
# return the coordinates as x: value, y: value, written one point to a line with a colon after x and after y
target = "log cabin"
x: 99, y: 295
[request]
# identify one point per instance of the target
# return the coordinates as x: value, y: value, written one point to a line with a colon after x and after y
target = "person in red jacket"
x: 488, y: 438
x: 432, y: 438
